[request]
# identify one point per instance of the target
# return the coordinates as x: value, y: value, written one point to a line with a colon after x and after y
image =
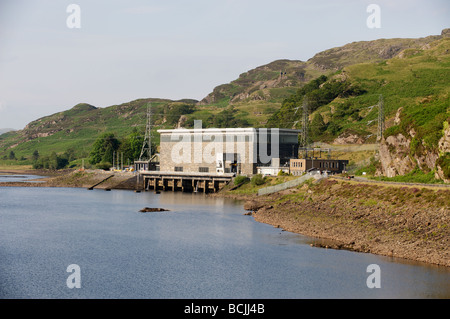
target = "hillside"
x: 78, y: 127
x: 341, y: 84
x: 415, y: 87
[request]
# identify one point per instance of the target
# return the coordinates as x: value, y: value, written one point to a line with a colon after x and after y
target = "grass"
x: 415, y: 176
x: 251, y: 188
x: 4, y: 166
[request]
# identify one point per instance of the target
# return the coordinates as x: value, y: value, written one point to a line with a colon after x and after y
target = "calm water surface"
x: 202, y: 248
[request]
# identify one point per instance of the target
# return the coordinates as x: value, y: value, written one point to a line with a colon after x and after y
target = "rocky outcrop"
x: 348, y: 138
x: 444, y: 142
x: 444, y: 148
x: 394, y: 156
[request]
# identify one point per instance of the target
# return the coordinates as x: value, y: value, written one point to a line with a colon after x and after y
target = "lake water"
x: 202, y: 248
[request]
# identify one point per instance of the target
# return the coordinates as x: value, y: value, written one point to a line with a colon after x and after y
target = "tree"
x: 131, y: 146
x: 12, y: 156
x: 103, y: 148
x: 176, y: 110
x: 35, y: 155
x: 70, y: 154
x: 318, y: 125
x: 226, y: 118
x: 333, y: 128
x: 52, y: 161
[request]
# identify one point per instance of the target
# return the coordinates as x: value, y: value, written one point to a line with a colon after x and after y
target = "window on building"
x: 203, y: 169
x: 178, y: 168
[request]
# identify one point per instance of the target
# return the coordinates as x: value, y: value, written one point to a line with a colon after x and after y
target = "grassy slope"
x: 418, y: 81
x: 79, y: 127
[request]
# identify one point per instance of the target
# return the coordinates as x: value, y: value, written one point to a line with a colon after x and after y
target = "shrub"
x: 257, y: 180
x: 104, y: 166
x: 281, y: 173
x: 240, y: 179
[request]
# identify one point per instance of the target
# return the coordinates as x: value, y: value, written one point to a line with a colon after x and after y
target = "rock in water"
x: 149, y: 209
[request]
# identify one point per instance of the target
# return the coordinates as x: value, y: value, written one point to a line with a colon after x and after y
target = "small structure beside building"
x: 303, y: 165
x: 147, y: 164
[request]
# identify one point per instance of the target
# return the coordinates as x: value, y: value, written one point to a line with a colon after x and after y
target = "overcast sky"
x: 125, y: 50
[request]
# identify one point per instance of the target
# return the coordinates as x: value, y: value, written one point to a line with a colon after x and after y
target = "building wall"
x: 299, y: 166
x: 197, y: 150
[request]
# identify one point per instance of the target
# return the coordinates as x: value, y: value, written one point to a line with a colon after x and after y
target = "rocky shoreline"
x: 404, y: 222
x: 396, y: 221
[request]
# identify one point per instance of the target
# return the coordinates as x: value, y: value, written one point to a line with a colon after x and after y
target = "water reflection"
x: 19, y: 178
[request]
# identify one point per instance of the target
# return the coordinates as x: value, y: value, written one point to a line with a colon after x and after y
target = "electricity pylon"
x: 146, y: 151
x: 380, y: 118
x: 305, y: 123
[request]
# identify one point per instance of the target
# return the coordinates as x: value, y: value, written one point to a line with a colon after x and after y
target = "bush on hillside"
x: 240, y: 179
x: 257, y: 180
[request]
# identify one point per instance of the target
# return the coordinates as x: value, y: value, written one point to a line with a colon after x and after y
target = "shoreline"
x: 402, y: 222
x: 393, y: 221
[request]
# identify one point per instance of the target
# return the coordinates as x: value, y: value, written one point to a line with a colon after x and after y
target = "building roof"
x: 247, y: 130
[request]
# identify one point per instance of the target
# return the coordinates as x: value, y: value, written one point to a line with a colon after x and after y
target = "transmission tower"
x: 146, y: 151
x: 380, y: 118
x: 305, y: 123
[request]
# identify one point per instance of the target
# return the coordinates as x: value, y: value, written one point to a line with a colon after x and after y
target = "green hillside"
x: 77, y: 128
x: 418, y: 80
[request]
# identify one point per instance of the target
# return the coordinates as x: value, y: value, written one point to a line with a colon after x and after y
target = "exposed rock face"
x: 397, y: 116
x: 444, y: 142
x: 394, y: 156
x: 348, y: 139
x: 181, y: 121
x: 444, y: 147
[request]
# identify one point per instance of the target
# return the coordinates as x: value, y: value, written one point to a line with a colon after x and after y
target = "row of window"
x: 200, y: 169
x: 297, y: 164
x: 328, y: 165
x: 321, y: 164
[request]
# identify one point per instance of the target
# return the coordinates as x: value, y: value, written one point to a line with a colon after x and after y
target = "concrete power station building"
x: 228, y: 150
